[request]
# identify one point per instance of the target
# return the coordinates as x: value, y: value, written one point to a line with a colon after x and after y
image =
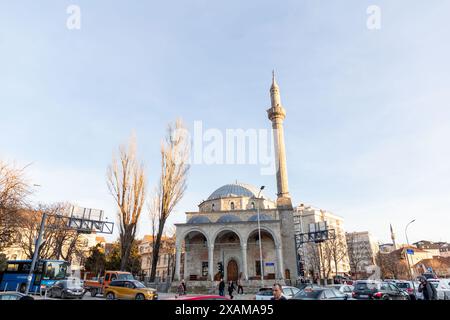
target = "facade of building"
x: 224, y: 231
x: 165, y: 265
x: 362, y: 251
x: 331, y: 255
x: 435, y: 248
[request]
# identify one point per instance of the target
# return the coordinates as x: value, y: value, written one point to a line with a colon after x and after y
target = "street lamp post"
x: 407, y: 256
x: 260, y: 242
x: 36, y: 249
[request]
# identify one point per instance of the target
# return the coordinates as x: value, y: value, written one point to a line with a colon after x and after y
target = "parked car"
x: 97, y: 286
x: 203, y: 297
x: 266, y: 293
x: 442, y: 287
x: 65, y: 289
x: 14, y: 296
x: 320, y: 294
x: 129, y: 290
x: 409, y: 287
x: 344, y: 288
x: 378, y: 290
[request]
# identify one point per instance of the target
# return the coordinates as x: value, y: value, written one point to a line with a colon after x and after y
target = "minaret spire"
x: 277, y: 114
x: 393, y: 237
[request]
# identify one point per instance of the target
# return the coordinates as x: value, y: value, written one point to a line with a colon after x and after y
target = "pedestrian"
x: 428, y: 290
x: 240, y: 287
x: 222, y: 288
x: 230, y: 289
x: 277, y: 292
x: 184, y: 286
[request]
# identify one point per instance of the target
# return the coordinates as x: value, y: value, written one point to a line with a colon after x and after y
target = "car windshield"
x: 365, y: 286
x: 403, y: 285
x: 125, y: 276
x: 72, y: 283
x: 138, y: 284
x: 308, y: 294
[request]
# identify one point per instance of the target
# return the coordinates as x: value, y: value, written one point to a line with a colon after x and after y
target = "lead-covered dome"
x: 236, y: 190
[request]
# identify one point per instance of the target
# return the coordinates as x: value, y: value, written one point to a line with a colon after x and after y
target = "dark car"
x: 66, y: 289
x: 378, y: 290
x: 14, y: 296
x: 320, y: 294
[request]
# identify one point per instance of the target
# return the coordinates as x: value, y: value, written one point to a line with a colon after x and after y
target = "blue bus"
x: 46, y: 272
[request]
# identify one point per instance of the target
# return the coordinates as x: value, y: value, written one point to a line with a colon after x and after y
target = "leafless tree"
x: 14, y: 190
x: 358, y: 251
x: 337, y: 248
x: 127, y: 184
x: 175, y: 150
x: 59, y: 242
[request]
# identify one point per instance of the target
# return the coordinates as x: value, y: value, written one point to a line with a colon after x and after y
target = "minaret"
x: 393, y: 237
x: 277, y: 114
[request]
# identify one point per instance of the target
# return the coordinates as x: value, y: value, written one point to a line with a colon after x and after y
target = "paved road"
x: 162, y: 296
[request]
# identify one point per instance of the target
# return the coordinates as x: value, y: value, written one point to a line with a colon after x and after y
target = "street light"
x: 260, y: 242
x: 407, y: 256
x: 36, y: 248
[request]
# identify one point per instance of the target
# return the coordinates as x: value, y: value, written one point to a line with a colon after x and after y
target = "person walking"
x: 277, y: 292
x: 428, y: 290
x: 240, y: 289
x: 230, y: 289
x: 184, y: 286
x: 221, y: 287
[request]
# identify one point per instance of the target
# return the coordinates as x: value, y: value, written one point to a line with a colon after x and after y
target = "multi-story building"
x: 165, y: 265
x: 329, y: 256
x: 435, y: 248
x: 362, y: 251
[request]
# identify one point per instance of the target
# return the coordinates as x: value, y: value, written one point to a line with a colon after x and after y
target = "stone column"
x: 185, y: 275
x: 178, y: 262
x: 280, y: 266
x: 244, y: 261
x: 211, y: 262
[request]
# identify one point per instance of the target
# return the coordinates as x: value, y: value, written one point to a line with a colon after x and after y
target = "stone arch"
x: 276, y: 241
x: 227, y: 228
x: 183, y: 235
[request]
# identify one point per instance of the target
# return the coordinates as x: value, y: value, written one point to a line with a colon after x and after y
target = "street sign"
x: 270, y: 264
x: 409, y: 251
x: 430, y: 269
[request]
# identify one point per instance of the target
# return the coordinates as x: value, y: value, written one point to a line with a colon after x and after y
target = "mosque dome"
x: 228, y: 218
x: 199, y: 219
x: 236, y: 190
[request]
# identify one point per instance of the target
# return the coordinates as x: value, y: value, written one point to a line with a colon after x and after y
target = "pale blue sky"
x: 368, y: 117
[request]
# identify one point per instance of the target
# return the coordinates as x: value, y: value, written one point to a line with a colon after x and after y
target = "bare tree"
x: 126, y: 182
x: 337, y: 248
x: 172, y: 183
x: 14, y: 190
x: 358, y: 252
x: 59, y: 242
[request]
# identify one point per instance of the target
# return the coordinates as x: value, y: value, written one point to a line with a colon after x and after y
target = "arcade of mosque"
x: 225, y: 228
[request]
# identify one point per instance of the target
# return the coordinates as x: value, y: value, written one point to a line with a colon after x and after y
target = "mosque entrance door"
x: 232, y: 270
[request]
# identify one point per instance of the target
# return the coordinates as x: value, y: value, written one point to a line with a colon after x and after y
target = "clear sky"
x: 368, y: 115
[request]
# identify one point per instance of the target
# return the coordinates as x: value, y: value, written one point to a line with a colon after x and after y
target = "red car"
x: 204, y: 297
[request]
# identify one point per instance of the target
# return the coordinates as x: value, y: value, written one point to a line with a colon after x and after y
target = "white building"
x: 362, y: 251
x: 329, y: 256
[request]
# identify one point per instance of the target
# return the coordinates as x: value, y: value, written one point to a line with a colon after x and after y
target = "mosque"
x: 223, y: 237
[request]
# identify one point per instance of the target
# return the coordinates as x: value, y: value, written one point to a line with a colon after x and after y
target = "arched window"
x: 212, y: 207
x: 253, y: 205
x: 232, y: 205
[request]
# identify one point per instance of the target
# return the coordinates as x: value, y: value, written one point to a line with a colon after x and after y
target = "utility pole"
x: 36, y: 251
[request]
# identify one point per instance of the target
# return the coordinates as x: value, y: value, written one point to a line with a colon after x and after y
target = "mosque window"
x: 253, y: 205
x: 232, y: 205
x: 212, y: 207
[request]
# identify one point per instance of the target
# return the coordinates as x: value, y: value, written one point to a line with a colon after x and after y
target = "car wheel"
x: 110, y: 296
x: 49, y: 293
x: 63, y: 295
x: 140, y: 296
x: 93, y: 292
x: 386, y: 298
